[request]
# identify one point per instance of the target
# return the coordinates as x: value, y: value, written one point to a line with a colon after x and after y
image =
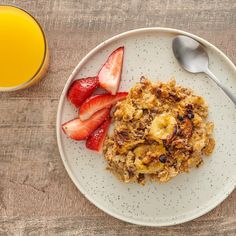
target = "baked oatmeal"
x: 160, y: 130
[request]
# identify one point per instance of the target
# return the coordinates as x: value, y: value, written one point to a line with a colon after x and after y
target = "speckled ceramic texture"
x: 148, y: 52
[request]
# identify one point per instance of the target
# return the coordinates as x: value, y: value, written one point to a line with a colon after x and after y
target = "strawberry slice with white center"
x: 81, y: 89
x: 96, y: 139
x: 98, y: 102
x: 80, y: 130
x: 110, y: 74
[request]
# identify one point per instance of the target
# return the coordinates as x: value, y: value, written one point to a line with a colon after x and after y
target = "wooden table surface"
x: 36, y: 195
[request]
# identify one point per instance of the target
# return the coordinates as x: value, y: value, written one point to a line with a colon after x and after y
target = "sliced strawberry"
x: 110, y: 74
x: 79, y: 130
x: 98, y: 102
x: 81, y: 89
x: 96, y: 139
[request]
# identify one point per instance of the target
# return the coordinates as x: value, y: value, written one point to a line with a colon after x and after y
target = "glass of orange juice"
x: 24, y: 57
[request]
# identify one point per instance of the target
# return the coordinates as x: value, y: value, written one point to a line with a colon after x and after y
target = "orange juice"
x: 23, y: 49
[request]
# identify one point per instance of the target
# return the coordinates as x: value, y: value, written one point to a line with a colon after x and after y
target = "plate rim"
x: 181, y: 220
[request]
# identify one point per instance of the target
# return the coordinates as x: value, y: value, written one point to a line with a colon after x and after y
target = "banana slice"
x: 163, y: 127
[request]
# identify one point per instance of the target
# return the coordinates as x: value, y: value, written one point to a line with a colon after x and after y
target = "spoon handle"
x: 225, y: 89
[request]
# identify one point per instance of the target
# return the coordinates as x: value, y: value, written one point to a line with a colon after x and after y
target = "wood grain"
x: 36, y: 195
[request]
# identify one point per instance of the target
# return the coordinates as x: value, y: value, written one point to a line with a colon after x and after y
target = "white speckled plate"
x: 148, y: 52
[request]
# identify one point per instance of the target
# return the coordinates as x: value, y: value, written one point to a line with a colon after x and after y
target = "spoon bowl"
x: 191, y: 54
x: 193, y: 57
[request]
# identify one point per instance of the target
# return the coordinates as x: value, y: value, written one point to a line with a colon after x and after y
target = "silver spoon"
x: 192, y: 57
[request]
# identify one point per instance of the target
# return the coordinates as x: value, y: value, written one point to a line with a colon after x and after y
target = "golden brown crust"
x: 160, y: 131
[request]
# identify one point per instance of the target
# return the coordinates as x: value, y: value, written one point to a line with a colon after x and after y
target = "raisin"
x: 180, y: 118
x: 190, y: 115
x: 162, y: 158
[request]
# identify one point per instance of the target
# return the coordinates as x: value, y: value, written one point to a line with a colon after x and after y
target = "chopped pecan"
x: 189, y: 106
x: 158, y: 92
x: 181, y: 143
x: 174, y: 97
x: 186, y: 128
x: 122, y: 136
x: 142, y: 79
x: 140, y: 178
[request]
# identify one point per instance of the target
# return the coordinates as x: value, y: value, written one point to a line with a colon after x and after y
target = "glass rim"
x: 23, y: 85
